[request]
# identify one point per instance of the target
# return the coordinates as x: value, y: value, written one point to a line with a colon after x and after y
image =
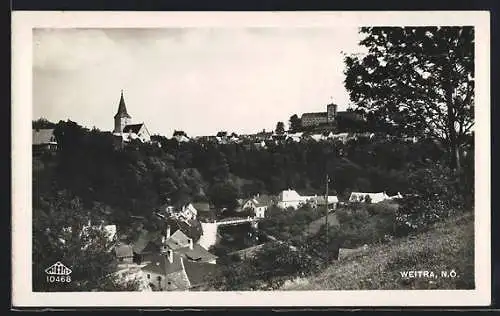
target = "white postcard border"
x: 24, y: 21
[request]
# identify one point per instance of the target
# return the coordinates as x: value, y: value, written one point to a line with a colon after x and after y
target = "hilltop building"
x: 126, y: 131
x: 329, y: 117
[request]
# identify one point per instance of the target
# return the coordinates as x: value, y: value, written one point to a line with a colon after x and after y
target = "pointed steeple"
x: 122, y: 109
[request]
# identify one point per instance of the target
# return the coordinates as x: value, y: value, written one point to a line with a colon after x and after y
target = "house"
x: 368, y: 197
x: 124, y: 253
x: 295, y: 137
x: 222, y: 137
x: 189, y: 211
x: 259, y: 204
x: 290, y: 198
x: 233, y: 138
x: 177, y: 240
x: 136, y: 132
x: 172, y: 272
x: 196, y: 253
x: 183, y: 245
x: 146, y: 245
x: 317, y: 137
x: 181, y: 136
x: 125, y: 131
x: 320, y: 201
x: 44, y: 140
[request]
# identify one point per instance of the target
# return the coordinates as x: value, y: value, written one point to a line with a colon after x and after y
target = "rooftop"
x: 132, y: 128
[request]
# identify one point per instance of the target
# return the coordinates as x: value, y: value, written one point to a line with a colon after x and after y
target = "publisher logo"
x: 58, y: 273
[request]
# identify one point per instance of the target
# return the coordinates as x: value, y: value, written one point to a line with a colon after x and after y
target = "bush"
x: 437, y: 194
x: 358, y: 227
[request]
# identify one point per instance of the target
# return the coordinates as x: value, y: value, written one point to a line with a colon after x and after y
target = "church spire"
x: 122, y: 109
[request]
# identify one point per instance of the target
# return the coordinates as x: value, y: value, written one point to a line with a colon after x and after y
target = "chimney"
x: 170, y: 256
x: 190, y: 240
x: 168, y: 231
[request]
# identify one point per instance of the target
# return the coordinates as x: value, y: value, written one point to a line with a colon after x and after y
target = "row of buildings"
x: 125, y: 131
x: 162, y: 261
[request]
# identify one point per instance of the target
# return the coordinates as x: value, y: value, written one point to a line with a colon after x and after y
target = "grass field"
x: 446, y: 246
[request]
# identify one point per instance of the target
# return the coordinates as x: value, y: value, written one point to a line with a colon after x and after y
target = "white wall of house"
x: 260, y: 212
x: 209, y: 237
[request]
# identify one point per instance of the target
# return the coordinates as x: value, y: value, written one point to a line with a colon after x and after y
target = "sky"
x: 199, y: 80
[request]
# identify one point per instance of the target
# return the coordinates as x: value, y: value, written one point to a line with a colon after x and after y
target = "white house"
x: 296, y: 137
x: 189, y: 211
x: 290, y: 198
x: 373, y: 197
x: 259, y: 204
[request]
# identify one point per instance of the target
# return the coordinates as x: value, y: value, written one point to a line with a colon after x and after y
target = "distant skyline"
x: 199, y: 80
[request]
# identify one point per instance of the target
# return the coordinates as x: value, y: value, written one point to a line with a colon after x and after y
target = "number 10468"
x: 58, y: 278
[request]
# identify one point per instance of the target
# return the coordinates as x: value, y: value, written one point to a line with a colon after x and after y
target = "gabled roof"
x: 177, y: 240
x: 314, y: 114
x: 133, y: 128
x: 197, y: 254
x: 44, y: 136
x: 122, y: 109
x: 264, y: 200
x: 179, y: 133
x: 197, y: 273
x: 160, y: 265
x: 202, y: 206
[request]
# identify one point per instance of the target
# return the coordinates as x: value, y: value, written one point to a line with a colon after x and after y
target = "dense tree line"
x: 112, y: 182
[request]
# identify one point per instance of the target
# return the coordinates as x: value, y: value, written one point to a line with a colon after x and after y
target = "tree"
x: 295, y: 123
x: 60, y: 233
x: 280, y: 128
x: 419, y: 79
x: 224, y: 195
x: 42, y: 123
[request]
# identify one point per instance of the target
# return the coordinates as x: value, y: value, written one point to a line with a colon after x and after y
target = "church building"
x: 127, y: 131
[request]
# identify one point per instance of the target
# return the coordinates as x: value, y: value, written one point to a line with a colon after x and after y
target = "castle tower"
x: 122, y: 118
x: 331, y: 112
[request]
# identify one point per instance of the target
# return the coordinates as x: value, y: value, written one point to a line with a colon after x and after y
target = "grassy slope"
x: 446, y: 246
x: 316, y: 225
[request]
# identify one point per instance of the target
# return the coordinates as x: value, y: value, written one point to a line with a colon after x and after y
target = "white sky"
x: 199, y: 80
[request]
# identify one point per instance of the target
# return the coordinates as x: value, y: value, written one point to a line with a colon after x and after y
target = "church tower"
x: 122, y: 118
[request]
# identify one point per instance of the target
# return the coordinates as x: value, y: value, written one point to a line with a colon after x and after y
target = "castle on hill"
x: 126, y: 131
x: 331, y: 116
